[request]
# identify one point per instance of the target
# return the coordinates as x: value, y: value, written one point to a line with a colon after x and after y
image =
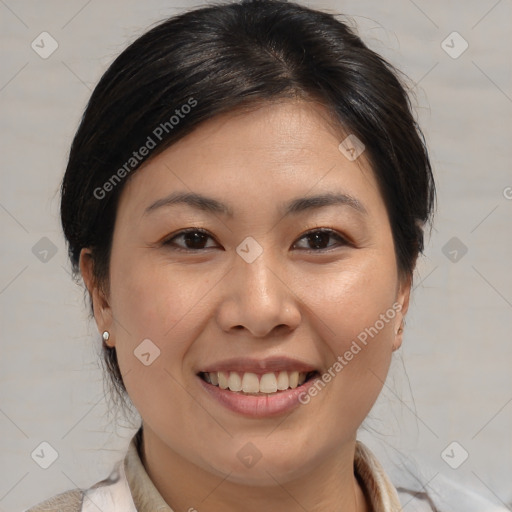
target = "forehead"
x: 287, y: 147
x: 285, y: 129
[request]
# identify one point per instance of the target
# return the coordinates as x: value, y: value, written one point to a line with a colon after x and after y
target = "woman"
x: 245, y: 200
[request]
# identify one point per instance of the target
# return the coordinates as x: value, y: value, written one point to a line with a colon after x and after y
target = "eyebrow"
x: 295, y: 206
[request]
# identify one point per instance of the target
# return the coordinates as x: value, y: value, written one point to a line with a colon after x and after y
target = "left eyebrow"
x: 322, y: 200
x: 295, y: 206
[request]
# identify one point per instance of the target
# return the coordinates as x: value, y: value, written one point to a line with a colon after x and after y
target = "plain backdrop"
x: 452, y: 379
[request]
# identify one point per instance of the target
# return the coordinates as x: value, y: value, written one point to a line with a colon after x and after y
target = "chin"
x: 264, y: 468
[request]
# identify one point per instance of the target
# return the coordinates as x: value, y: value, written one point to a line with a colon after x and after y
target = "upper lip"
x: 258, y: 366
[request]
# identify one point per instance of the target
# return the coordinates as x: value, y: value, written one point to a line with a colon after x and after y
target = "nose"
x: 258, y: 297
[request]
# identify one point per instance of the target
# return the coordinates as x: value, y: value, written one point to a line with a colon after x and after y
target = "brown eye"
x: 318, y: 239
x: 193, y: 239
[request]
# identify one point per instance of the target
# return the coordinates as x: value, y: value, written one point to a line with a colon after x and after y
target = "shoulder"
x: 440, y: 492
x: 69, y: 501
x: 454, y: 495
x: 443, y: 493
x: 109, y: 494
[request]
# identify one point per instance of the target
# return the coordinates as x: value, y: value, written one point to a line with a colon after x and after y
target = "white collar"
x: 110, y: 495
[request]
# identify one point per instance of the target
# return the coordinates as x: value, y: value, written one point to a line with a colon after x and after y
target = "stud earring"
x: 106, y: 335
x: 400, y: 329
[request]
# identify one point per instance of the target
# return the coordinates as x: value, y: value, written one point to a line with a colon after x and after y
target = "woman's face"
x: 263, y: 288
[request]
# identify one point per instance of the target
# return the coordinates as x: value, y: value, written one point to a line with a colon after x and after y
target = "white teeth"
x: 223, y: 380
x: 283, y: 382
x: 250, y: 382
x: 234, y: 382
x: 268, y: 383
x: 294, y: 379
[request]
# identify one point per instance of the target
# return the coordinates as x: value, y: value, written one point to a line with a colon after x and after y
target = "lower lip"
x: 262, y: 406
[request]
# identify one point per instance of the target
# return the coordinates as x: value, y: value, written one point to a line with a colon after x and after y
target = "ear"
x: 100, y: 301
x: 402, y: 299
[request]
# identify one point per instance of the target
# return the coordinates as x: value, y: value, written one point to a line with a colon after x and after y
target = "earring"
x: 400, y: 329
x: 106, y: 335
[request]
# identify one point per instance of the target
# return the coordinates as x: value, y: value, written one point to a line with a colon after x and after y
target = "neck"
x: 185, y: 486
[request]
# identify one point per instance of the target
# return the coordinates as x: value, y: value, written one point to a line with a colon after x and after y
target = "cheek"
x: 153, y: 299
x: 350, y: 301
x: 157, y: 303
x: 165, y: 304
x: 354, y: 319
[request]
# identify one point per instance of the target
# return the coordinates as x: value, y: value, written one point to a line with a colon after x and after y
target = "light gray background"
x: 451, y: 381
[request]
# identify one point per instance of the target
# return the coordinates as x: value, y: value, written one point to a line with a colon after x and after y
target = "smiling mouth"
x: 248, y: 383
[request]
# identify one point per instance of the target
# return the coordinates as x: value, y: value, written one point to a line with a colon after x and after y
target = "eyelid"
x: 184, y: 232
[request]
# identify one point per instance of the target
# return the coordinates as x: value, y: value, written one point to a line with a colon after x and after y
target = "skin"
x: 207, y: 304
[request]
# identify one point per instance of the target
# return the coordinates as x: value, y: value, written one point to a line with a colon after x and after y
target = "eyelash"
x: 331, y: 232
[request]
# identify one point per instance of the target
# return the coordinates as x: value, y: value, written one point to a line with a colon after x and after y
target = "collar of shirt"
x: 379, y: 490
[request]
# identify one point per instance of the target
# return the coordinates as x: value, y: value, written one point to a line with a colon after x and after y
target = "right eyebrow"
x: 192, y: 199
